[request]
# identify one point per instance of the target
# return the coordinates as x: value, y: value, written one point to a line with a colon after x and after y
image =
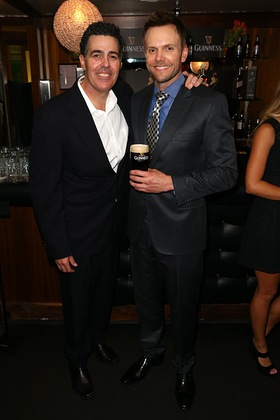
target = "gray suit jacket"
x: 196, y: 148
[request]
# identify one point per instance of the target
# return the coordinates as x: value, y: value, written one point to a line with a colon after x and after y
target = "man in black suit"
x: 193, y: 157
x: 79, y: 185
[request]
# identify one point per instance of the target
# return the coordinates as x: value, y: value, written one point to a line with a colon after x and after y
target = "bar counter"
x: 15, y: 193
x: 31, y: 280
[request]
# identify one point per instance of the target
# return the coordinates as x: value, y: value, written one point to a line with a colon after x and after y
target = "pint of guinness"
x: 139, y: 156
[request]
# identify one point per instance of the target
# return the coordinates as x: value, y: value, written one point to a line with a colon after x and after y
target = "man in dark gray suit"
x: 193, y: 158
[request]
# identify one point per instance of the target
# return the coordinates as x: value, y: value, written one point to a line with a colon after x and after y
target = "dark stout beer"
x: 139, y: 156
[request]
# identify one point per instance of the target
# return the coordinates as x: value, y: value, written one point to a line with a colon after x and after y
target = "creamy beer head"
x: 139, y: 156
x: 139, y: 148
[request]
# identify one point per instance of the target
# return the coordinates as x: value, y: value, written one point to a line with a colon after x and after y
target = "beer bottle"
x: 239, y: 48
x: 233, y: 122
x: 239, y: 84
x: 240, y: 126
x: 247, y: 47
x: 190, y: 48
x: 257, y: 47
x: 249, y: 128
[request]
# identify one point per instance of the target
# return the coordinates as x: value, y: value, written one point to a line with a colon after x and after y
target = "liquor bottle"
x: 239, y: 48
x: 190, y: 48
x: 233, y: 122
x: 249, y: 128
x: 240, y: 126
x: 257, y: 47
x: 238, y: 94
x: 247, y: 47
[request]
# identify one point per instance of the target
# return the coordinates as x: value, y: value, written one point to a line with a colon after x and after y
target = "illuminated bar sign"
x: 207, y: 42
x: 134, y: 47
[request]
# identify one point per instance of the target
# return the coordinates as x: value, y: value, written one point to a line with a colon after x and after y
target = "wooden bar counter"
x: 32, y: 285
x: 30, y: 279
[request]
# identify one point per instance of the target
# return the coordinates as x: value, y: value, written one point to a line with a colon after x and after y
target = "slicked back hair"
x: 161, y: 19
x: 101, y: 28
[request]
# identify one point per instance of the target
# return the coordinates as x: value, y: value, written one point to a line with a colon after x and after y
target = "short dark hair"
x: 162, y: 19
x: 101, y: 28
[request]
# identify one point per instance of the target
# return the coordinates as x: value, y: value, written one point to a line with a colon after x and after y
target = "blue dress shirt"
x: 172, y: 90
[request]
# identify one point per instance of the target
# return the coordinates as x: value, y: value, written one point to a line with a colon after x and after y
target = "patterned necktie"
x: 153, y: 126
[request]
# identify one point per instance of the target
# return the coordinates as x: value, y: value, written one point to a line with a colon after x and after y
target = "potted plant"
x: 239, y: 29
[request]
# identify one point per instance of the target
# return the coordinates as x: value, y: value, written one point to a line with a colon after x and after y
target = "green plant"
x: 239, y: 29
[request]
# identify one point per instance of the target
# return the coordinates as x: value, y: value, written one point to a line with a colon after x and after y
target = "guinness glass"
x: 139, y: 156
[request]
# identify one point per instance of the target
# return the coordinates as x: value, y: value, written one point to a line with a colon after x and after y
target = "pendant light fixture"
x: 72, y: 19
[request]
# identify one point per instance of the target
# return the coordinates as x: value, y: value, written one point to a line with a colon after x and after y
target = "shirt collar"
x: 111, y: 100
x: 174, y: 88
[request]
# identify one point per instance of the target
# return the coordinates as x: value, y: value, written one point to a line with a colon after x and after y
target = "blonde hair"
x: 273, y: 109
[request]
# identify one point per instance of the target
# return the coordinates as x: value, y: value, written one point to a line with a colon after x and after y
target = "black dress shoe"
x: 105, y: 354
x: 184, y: 390
x: 139, y: 369
x: 81, y: 382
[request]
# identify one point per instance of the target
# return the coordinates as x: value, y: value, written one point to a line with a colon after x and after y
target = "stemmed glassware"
x: 14, y: 164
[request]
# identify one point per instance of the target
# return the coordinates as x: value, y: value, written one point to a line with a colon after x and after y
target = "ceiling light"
x: 72, y: 19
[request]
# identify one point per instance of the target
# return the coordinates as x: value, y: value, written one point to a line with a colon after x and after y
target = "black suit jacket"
x: 196, y: 148
x: 75, y: 192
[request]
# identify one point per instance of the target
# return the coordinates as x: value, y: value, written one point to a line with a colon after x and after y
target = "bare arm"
x: 262, y: 142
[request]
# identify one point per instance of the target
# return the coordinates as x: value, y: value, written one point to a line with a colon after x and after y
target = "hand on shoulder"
x: 193, y: 81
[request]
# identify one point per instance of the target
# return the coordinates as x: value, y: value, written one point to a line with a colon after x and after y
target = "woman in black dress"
x: 260, y: 248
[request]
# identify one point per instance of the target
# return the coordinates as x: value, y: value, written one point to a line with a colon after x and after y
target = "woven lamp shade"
x: 71, y: 20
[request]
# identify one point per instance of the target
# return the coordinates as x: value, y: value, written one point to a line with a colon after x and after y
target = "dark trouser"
x: 179, y: 276
x: 87, y: 301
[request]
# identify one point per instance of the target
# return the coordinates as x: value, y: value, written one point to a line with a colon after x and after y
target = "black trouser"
x: 87, y: 298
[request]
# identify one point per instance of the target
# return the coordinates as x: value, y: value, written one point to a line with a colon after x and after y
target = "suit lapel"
x: 142, y: 114
x: 82, y: 119
x: 125, y: 106
x: 83, y: 124
x: 177, y: 113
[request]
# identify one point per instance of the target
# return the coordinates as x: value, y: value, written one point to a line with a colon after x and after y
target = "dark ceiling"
x: 43, y: 8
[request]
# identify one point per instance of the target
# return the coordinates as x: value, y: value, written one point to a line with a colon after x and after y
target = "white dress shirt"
x: 111, y: 126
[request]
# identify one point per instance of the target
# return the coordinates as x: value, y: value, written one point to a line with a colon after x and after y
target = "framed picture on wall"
x: 67, y: 74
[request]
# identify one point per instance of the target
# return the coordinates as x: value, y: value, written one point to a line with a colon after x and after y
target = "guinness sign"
x: 207, y: 42
x: 133, y: 47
